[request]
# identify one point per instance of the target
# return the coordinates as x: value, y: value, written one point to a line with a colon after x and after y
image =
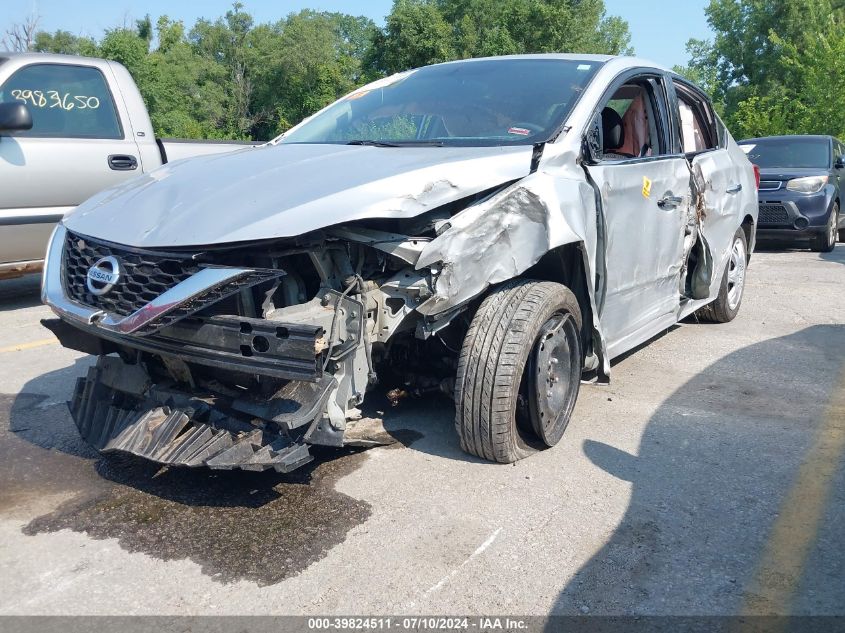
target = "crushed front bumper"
x: 180, y: 384
x: 117, y: 408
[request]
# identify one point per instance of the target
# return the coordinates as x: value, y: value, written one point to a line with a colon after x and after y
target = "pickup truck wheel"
x: 519, y: 370
x: 726, y: 305
x: 826, y: 242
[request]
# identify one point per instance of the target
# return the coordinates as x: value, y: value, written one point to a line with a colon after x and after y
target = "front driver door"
x: 645, y: 193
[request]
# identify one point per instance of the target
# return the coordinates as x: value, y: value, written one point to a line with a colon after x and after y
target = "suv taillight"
x: 756, y: 175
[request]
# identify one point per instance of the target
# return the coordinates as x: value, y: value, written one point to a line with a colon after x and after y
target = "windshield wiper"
x: 395, y: 143
x: 372, y: 143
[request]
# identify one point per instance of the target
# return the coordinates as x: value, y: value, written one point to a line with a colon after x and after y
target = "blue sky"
x: 660, y: 29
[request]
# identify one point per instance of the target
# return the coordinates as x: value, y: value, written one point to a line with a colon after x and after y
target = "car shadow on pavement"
x: 708, y: 528
x: 781, y: 246
x: 21, y: 292
x: 836, y: 255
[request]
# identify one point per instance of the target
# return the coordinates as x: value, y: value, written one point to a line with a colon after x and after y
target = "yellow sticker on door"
x: 646, y: 187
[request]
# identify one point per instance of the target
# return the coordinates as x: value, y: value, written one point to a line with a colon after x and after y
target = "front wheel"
x: 519, y: 370
x: 726, y: 305
x: 826, y: 242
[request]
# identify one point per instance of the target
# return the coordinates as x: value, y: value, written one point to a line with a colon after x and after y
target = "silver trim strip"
x: 53, y: 294
x: 778, y: 182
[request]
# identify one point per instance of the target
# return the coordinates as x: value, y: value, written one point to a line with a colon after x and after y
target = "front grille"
x: 143, y: 275
x: 773, y: 214
x: 770, y: 185
x: 209, y: 297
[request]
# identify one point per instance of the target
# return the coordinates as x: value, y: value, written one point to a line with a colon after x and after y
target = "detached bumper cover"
x: 117, y: 410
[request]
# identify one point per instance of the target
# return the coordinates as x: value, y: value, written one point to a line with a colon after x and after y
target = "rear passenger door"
x: 724, y: 191
x: 76, y: 147
x: 645, y: 192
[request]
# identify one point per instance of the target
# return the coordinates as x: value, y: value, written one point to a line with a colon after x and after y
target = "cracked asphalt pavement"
x: 707, y: 479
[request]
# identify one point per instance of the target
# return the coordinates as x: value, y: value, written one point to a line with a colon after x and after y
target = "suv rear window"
x: 788, y: 152
x: 65, y: 101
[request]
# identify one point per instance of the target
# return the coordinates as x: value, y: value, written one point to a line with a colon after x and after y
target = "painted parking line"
x: 796, y: 528
x: 31, y: 345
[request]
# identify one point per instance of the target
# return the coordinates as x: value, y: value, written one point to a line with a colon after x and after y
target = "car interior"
x: 628, y: 124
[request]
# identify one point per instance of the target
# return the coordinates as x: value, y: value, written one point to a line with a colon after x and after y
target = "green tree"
x: 774, y: 66
x: 415, y: 34
x: 184, y: 94
x: 65, y: 43
x: 702, y: 67
x: 420, y: 32
x: 127, y: 47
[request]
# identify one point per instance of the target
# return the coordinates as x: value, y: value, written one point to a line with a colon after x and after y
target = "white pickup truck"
x: 69, y: 127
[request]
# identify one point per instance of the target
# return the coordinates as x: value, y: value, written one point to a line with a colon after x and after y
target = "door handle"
x: 669, y: 202
x: 123, y: 162
x: 735, y: 189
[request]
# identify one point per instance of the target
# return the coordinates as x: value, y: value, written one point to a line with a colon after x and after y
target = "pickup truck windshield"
x: 485, y: 102
x: 811, y: 153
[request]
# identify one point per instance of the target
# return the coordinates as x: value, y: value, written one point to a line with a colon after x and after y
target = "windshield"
x: 486, y: 102
x: 813, y: 153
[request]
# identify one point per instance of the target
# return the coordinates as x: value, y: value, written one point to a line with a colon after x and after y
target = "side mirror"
x: 840, y: 163
x: 593, y: 141
x: 14, y: 117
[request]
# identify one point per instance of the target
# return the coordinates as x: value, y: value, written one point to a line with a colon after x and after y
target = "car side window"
x: 698, y: 125
x: 65, y: 101
x: 632, y: 124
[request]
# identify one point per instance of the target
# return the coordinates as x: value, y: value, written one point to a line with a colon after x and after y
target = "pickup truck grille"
x: 143, y: 275
x: 773, y: 214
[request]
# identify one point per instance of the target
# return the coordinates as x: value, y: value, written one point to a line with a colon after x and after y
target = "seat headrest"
x: 613, y: 132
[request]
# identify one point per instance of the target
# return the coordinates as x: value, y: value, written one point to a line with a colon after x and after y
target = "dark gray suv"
x: 800, y: 192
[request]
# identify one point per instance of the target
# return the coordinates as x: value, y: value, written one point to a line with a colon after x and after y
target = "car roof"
x: 46, y: 57
x: 619, y: 61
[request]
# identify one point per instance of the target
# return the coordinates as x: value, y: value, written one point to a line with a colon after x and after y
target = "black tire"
x: 826, y: 242
x: 726, y: 306
x: 492, y: 382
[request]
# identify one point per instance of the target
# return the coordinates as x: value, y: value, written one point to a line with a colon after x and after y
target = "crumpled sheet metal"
x: 278, y: 191
x: 505, y: 235
x: 722, y: 211
x: 171, y: 434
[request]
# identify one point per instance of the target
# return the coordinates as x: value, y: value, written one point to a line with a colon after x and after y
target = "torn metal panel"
x: 503, y: 236
x: 714, y: 175
x: 498, y: 239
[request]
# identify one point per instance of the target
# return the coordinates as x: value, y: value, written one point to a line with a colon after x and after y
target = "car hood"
x: 788, y: 173
x: 286, y: 190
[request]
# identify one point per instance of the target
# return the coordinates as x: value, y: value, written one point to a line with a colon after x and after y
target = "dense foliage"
x: 232, y: 78
x: 774, y: 66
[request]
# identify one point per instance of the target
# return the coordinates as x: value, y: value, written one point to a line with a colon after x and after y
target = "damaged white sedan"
x: 495, y: 229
